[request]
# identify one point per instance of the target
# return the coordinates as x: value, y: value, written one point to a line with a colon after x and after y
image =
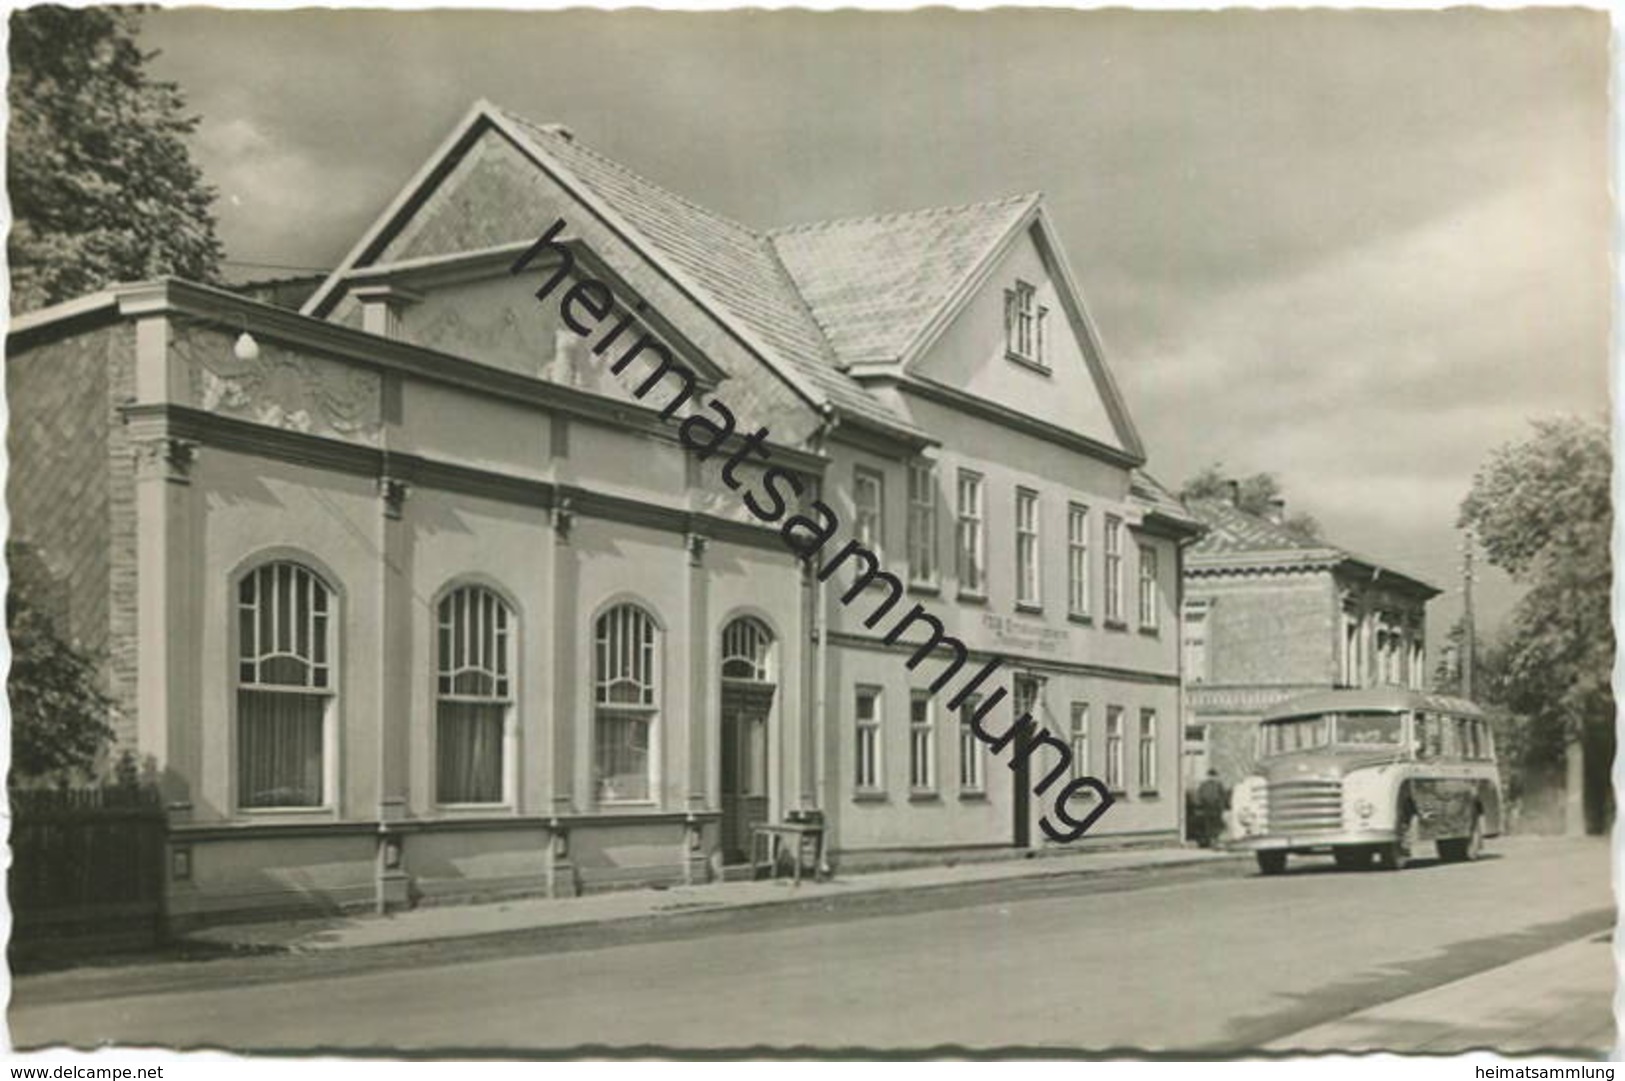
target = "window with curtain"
x: 922, y: 523
x: 866, y: 757
x: 970, y: 748
x: 1080, y: 740
x: 1114, y: 569
x: 1114, y: 748
x: 1077, y: 559
x: 285, y: 687
x: 970, y: 534
x: 626, y: 700
x: 868, y: 496
x: 474, y: 696
x: 1150, y: 595
x: 1028, y: 590
x: 922, y: 743
x: 1148, y: 750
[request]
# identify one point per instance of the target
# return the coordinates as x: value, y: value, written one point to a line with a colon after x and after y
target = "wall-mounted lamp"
x: 561, y: 844
x: 245, y: 348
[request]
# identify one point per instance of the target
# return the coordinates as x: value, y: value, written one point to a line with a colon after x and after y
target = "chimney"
x: 1234, y: 487
x: 1277, y: 510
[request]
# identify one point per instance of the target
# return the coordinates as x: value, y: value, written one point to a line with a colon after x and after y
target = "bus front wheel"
x: 1271, y: 863
x: 1392, y: 856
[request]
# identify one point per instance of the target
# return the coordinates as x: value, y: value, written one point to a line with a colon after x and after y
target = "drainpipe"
x: 820, y: 634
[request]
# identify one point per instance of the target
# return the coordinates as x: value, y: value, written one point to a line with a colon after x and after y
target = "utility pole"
x: 1469, y: 632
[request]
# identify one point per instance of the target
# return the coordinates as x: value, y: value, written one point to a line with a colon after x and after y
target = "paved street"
x: 1200, y: 959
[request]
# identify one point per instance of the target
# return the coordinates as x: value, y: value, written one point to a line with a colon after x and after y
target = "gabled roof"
x: 808, y: 301
x: 730, y: 269
x: 1236, y: 537
x: 874, y: 283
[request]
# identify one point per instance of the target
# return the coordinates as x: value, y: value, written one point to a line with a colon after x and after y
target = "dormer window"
x: 1024, y: 328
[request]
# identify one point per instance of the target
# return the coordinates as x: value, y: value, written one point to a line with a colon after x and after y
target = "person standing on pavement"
x: 1210, y: 801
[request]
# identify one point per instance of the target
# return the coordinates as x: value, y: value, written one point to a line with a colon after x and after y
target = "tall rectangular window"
x: 922, y: 523
x: 922, y: 743
x: 971, y: 535
x: 1024, y: 328
x: 1080, y: 740
x: 970, y: 748
x: 1114, y: 569
x: 1194, y: 641
x: 868, y: 498
x: 1028, y: 587
x: 1077, y: 559
x: 1114, y: 748
x: 866, y: 756
x: 1148, y: 750
x: 1150, y: 595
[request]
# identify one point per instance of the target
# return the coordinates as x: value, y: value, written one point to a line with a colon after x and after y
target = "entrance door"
x: 1025, y: 702
x: 745, y: 708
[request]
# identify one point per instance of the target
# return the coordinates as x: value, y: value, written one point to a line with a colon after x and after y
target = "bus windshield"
x: 1374, y: 730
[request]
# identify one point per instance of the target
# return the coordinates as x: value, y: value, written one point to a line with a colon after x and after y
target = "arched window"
x: 746, y: 650
x: 474, y: 696
x: 285, y: 687
x: 626, y: 699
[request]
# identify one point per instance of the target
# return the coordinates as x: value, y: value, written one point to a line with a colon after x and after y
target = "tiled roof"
x: 874, y: 282
x: 1232, y: 530
x: 734, y: 264
x: 1151, y: 493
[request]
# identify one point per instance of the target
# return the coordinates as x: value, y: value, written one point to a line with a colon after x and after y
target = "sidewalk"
x: 463, y: 921
x: 1559, y: 1000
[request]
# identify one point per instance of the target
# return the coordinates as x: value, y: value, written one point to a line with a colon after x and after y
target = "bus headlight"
x: 1364, y: 808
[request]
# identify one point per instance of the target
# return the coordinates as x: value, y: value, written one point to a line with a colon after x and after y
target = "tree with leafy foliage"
x: 102, y: 186
x: 1255, y: 495
x: 1542, y: 511
x: 59, y: 714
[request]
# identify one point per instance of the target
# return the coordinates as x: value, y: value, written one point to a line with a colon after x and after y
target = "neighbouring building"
x: 404, y: 594
x: 1269, y: 614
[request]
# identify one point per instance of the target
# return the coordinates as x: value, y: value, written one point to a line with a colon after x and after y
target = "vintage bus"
x: 1369, y: 775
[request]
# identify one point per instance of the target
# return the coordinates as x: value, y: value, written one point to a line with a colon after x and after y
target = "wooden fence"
x: 87, y: 866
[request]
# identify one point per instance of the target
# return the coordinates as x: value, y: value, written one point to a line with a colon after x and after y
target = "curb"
x: 792, y: 899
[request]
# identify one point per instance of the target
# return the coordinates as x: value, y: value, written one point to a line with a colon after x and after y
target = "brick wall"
x: 1269, y: 629
x: 70, y: 495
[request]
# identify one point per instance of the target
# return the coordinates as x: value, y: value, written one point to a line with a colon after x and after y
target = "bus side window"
x: 1475, y: 745
x: 1464, y: 737
x: 1433, y: 734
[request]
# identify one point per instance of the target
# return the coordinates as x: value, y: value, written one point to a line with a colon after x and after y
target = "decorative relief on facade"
x: 282, y: 388
x: 494, y: 336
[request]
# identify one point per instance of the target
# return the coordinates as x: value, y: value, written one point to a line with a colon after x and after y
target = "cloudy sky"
x: 1358, y: 250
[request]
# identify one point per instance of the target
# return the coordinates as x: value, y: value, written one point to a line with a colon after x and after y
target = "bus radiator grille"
x: 1305, y: 805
